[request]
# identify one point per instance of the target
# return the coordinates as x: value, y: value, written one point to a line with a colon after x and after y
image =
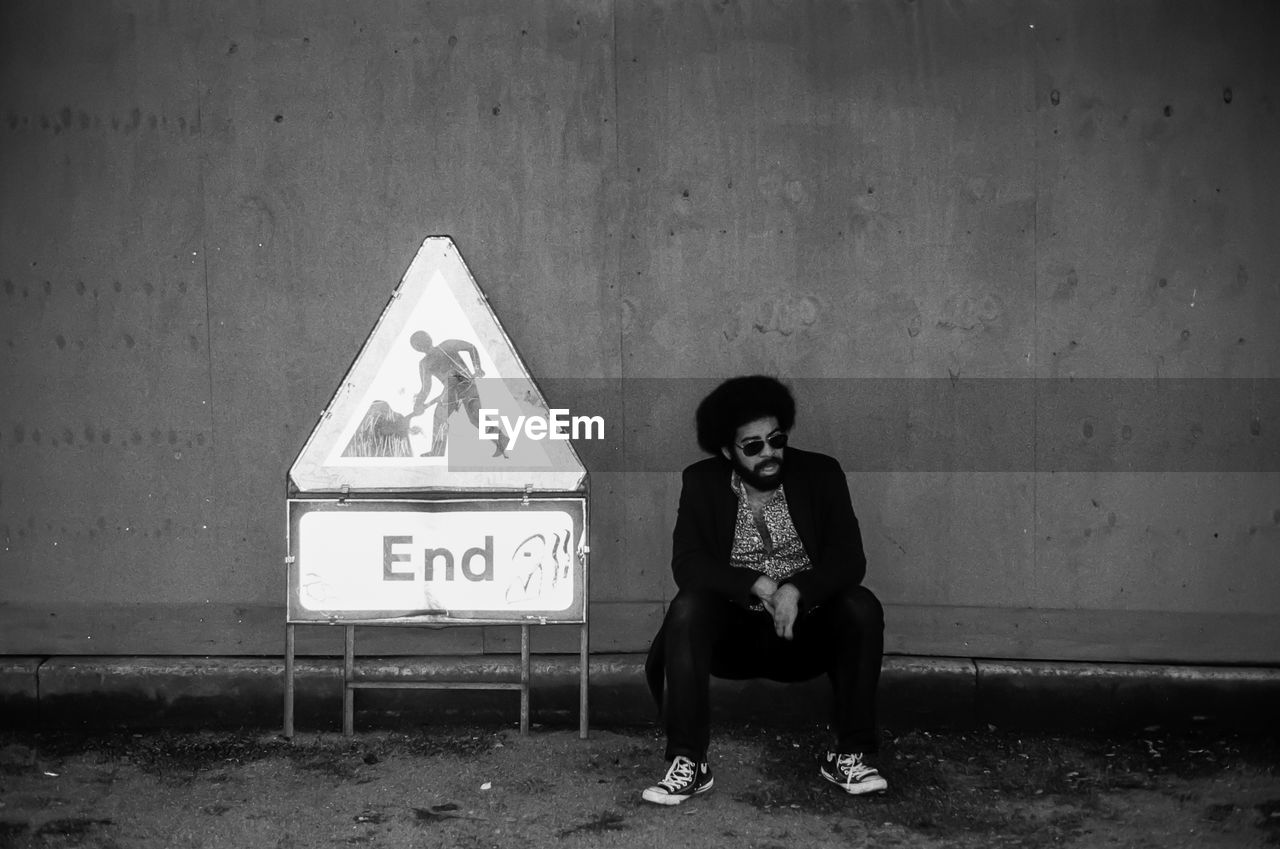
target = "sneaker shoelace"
x: 680, y: 773
x: 853, y: 767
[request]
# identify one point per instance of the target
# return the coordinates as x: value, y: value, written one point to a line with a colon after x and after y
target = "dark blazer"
x: 818, y: 499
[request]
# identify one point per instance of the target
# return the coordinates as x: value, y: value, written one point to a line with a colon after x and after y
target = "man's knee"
x: 689, y: 610
x: 860, y: 607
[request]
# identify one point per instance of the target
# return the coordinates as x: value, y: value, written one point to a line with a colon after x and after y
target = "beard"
x: 766, y: 482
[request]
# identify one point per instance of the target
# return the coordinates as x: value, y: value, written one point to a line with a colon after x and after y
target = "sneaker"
x: 852, y: 774
x: 684, y: 779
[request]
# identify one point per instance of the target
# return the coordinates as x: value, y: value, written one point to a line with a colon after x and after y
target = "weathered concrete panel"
x: 487, y: 123
x: 1157, y: 164
x: 1192, y: 543
x: 1051, y: 633
x: 931, y: 538
x: 59, y: 628
x: 258, y: 629
x: 205, y: 208
x: 826, y: 190
x: 614, y: 627
x: 104, y: 435
x: 241, y: 206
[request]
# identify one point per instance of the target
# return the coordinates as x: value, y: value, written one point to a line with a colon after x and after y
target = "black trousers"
x: 704, y: 634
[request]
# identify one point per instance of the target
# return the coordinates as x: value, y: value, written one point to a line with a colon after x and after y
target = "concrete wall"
x: 1019, y: 259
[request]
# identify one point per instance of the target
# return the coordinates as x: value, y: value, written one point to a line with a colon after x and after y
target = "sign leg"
x: 582, y: 683
x: 524, y: 680
x: 348, y: 692
x: 288, y: 680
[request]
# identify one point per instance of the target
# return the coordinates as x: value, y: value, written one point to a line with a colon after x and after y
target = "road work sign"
x: 408, y: 414
x: 438, y: 484
x: 438, y: 487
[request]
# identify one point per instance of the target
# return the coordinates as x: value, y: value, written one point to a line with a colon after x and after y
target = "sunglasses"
x: 752, y: 447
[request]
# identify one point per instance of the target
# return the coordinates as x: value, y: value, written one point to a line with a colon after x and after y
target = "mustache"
x: 766, y: 474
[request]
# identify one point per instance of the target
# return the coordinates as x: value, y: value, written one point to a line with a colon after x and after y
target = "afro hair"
x: 738, y: 401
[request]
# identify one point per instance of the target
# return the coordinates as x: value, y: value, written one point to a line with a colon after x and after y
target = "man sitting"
x: 768, y: 559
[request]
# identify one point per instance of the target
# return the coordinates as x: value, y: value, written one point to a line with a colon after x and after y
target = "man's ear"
x: 724, y: 449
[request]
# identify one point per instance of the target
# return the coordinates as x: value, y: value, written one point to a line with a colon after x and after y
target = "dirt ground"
x: 481, y: 787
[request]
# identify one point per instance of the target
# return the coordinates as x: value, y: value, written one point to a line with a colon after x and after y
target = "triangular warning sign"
x: 430, y: 401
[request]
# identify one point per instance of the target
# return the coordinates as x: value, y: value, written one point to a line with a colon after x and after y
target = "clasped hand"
x: 782, y: 602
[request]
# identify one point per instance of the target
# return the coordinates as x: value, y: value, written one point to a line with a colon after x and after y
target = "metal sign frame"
x: 577, y: 614
x: 422, y: 350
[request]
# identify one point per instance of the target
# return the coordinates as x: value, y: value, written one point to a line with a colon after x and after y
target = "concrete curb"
x: 139, y: 692
x: 19, y: 688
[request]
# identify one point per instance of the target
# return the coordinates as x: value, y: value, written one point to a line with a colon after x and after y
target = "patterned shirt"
x: 770, y: 545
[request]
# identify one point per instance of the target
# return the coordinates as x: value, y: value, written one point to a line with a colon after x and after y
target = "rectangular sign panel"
x: 464, y: 560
